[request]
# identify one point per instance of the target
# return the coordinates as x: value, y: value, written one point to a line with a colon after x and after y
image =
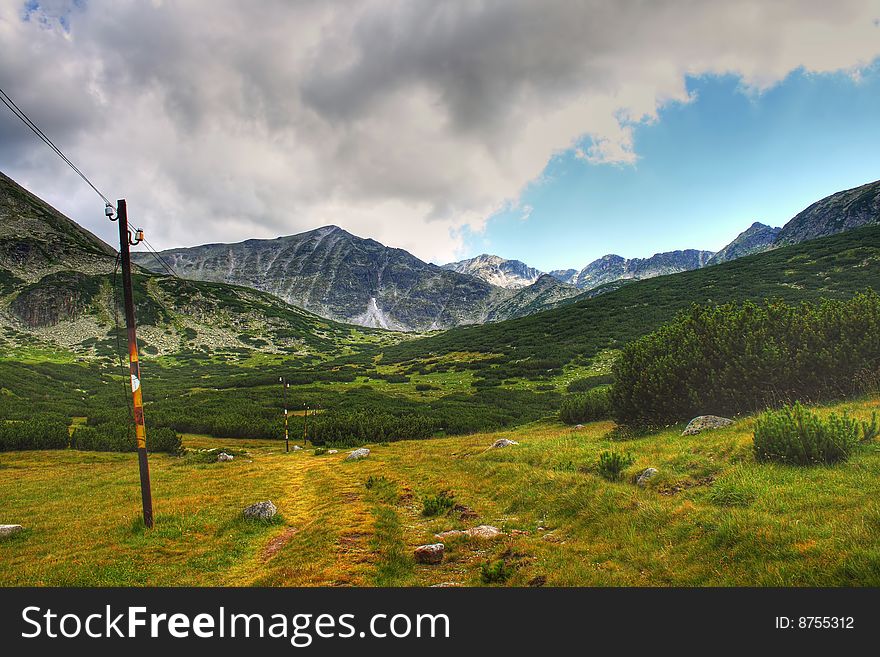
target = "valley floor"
x: 713, y: 516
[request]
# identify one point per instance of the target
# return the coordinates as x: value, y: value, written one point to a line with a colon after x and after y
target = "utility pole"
x: 125, y: 240
x: 284, y: 386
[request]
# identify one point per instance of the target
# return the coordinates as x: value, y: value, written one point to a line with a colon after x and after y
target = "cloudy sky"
x: 551, y: 131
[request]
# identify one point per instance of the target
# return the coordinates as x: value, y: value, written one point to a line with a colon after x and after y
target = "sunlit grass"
x: 713, y: 516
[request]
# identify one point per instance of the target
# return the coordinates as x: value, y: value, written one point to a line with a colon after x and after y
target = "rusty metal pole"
x: 136, y: 393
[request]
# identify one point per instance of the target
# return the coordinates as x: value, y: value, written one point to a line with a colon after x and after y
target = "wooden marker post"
x: 284, y: 386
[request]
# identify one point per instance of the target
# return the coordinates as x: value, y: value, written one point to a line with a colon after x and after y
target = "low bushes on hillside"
x: 795, y: 435
x: 734, y: 359
x: 359, y: 427
x: 586, y: 407
x: 121, y: 438
x: 40, y: 433
x: 587, y: 383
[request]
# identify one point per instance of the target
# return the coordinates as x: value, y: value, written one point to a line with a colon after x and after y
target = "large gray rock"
x: 646, y: 475
x: 503, y: 442
x: 261, y: 511
x: 223, y: 456
x: 9, y: 530
x: 358, y: 454
x: 429, y: 554
x: 705, y: 423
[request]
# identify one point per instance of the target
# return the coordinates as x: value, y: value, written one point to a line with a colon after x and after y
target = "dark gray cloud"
x: 404, y: 121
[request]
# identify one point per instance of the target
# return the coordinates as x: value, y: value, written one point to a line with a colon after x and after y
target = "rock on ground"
x: 9, y: 530
x: 430, y: 554
x: 358, y: 454
x: 261, y: 511
x: 332, y: 451
x: 705, y: 423
x: 503, y: 442
x: 223, y: 456
x: 482, y: 532
x: 296, y: 448
x: 645, y: 475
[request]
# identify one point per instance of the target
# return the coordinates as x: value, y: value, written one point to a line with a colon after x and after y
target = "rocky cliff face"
x: 834, y: 214
x: 510, y: 274
x: 756, y: 239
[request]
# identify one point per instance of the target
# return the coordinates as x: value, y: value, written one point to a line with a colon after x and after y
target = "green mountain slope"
x: 835, y: 266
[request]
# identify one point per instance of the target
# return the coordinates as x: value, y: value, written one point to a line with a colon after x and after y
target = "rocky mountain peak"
x: 495, y: 270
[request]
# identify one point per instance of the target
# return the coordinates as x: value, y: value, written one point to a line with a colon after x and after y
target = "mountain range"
x: 334, y: 274
x: 337, y: 275
x: 53, y: 271
x: 834, y: 214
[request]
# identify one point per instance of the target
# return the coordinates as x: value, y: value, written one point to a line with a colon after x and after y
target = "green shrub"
x: 320, y: 451
x: 424, y: 387
x: 164, y: 439
x: 738, y: 358
x: 795, y: 435
x: 359, y: 427
x: 495, y: 573
x: 121, y: 438
x: 612, y: 464
x: 589, y: 382
x: 437, y: 505
x: 38, y: 433
x: 586, y: 407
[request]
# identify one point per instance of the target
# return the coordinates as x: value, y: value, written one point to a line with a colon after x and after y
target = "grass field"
x: 713, y: 516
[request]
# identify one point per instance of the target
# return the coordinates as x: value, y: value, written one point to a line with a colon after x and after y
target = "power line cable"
x: 158, y: 258
x: 33, y: 127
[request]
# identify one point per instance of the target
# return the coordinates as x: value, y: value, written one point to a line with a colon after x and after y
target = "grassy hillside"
x: 832, y: 267
x: 712, y: 516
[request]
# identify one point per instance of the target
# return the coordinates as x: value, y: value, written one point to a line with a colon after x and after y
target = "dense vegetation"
x: 41, y: 433
x: 120, y: 438
x: 586, y: 406
x: 798, y: 436
x: 51, y: 432
x: 737, y: 358
x: 242, y: 403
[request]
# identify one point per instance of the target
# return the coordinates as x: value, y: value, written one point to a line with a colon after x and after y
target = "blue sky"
x: 706, y: 170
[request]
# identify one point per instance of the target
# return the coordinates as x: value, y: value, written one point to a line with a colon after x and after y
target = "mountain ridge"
x: 351, y: 279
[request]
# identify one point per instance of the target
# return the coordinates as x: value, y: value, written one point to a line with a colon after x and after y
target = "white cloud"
x: 404, y: 121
